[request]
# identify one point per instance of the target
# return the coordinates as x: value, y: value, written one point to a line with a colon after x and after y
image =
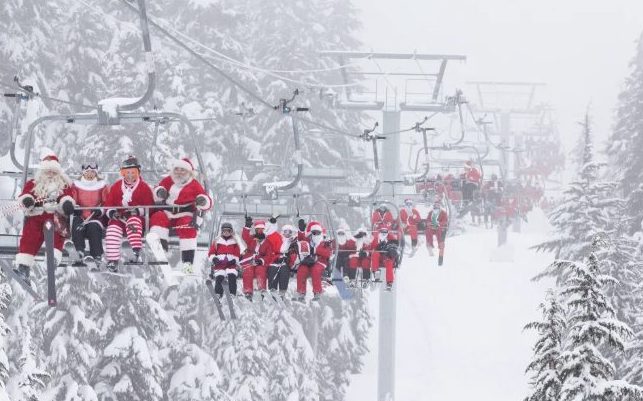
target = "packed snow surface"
x: 460, y: 326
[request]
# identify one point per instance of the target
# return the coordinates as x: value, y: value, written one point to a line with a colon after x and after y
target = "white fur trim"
x: 288, y: 227
x: 187, y: 244
x: 24, y: 259
x: 260, y: 225
x: 224, y: 272
x: 208, y: 203
x: 51, y: 165
x: 223, y: 241
x: 315, y: 227
x: 271, y: 228
x: 155, y: 193
x: 180, y: 163
x: 93, y: 185
x: 162, y: 232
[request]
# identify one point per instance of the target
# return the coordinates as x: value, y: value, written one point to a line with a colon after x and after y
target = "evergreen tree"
x: 626, y: 141
x: 33, y: 379
x: 5, y: 300
x: 546, y: 364
x: 588, y: 207
x: 587, y: 374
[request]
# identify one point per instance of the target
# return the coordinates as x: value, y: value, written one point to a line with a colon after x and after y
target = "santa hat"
x: 49, y: 161
x: 260, y: 224
x: 313, y: 226
x: 184, y: 163
x: 288, y: 227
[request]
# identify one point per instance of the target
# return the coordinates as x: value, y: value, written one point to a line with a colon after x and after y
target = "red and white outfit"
x: 379, y: 219
x: 122, y: 194
x: 260, y: 251
x: 321, y: 251
x: 227, y: 251
x: 380, y: 256
x: 436, y: 224
x: 410, y: 218
x: 180, y: 194
x: 46, y: 197
x: 90, y: 193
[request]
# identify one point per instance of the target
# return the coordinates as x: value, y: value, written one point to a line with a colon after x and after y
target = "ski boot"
x: 389, y: 286
x: 440, y: 260
x: 316, y: 297
x: 112, y: 266
x: 248, y: 296
x: 187, y: 268
x: 136, y: 256
x: 91, y: 262
x: 431, y: 251
x: 80, y: 260
x: 377, y: 276
x: 282, y: 294
x: 23, y: 272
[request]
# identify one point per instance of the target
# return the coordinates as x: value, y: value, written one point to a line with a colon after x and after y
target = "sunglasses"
x: 341, y: 233
x: 90, y: 166
x: 227, y: 230
x: 316, y: 232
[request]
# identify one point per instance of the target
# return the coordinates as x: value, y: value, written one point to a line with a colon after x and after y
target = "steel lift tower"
x: 394, y: 92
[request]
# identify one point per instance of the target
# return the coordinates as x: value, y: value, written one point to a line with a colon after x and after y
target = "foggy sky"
x: 580, y: 48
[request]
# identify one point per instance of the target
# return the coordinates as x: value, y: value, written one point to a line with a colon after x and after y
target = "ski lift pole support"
x: 368, y: 135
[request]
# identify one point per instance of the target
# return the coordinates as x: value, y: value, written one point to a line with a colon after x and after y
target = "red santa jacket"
x: 262, y: 250
x: 382, y: 220
x: 90, y: 194
x: 441, y: 219
x: 182, y: 194
x: 119, y: 195
x: 322, y: 252
x: 226, y: 250
x: 52, y: 206
x: 473, y: 176
x: 377, y: 245
x: 410, y: 219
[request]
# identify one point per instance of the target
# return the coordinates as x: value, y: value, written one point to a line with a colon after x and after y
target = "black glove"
x: 232, y: 263
x: 111, y: 213
x: 28, y: 202
x: 68, y: 207
x: 308, y: 260
x: 258, y: 261
x: 97, y: 212
x: 215, y: 261
x: 248, y: 221
x: 301, y: 224
x: 381, y: 246
x: 201, y: 200
x: 280, y: 260
x: 391, y: 251
x: 162, y: 193
x: 273, y: 219
x: 363, y: 254
x: 422, y: 225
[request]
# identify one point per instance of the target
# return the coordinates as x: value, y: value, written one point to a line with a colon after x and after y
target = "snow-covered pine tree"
x: 32, y: 379
x: 71, y: 334
x: 626, y: 141
x: 546, y: 364
x: 588, y: 206
x: 5, y: 300
x: 586, y: 373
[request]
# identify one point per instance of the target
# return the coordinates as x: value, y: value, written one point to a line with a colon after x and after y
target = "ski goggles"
x: 315, y: 232
x: 408, y: 203
x: 341, y: 233
x: 90, y: 166
x: 226, y: 231
x: 287, y: 233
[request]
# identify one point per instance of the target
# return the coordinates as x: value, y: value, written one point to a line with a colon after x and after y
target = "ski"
x: 6, y: 267
x: 153, y: 242
x: 338, y: 282
x: 217, y: 301
x: 51, y: 263
x: 228, y: 296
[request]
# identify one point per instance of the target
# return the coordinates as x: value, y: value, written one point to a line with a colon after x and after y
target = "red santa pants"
x: 161, y: 223
x: 33, y: 236
x: 248, y: 275
x: 133, y: 228
x: 439, y: 233
x: 379, y: 258
x: 412, y: 230
x: 315, y: 272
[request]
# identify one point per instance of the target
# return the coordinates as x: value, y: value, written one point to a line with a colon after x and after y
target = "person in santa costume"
x: 286, y: 247
x: 44, y: 198
x: 183, y: 194
x: 410, y: 217
x: 224, y: 257
x: 382, y: 216
x: 90, y: 190
x: 436, y: 225
x: 316, y: 262
x: 345, y: 247
x: 361, y: 258
x: 384, y: 253
x: 258, y: 256
x: 124, y: 217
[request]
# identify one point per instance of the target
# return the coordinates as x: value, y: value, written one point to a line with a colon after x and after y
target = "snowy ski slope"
x: 459, y: 327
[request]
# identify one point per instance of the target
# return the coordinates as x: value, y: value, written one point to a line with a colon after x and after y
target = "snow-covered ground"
x: 459, y: 327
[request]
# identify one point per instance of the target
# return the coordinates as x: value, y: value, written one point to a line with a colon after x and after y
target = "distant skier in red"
x: 46, y: 197
x: 224, y: 256
x: 410, y: 217
x: 129, y: 192
x: 385, y: 253
x: 381, y: 217
x: 315, y: 262
x: 182, y: 193
x: 436, y: 225
x: 258, y: 256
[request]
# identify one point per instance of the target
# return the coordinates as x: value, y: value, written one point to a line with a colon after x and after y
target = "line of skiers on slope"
x: 112, y: 211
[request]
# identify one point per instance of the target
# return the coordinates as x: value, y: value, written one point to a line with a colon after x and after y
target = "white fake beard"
x: 359, y: 243
x: 46, y: 186
x: 341, y: 239
x: 382, y: 237
x: 316, y: 239
x: 180, y: 180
